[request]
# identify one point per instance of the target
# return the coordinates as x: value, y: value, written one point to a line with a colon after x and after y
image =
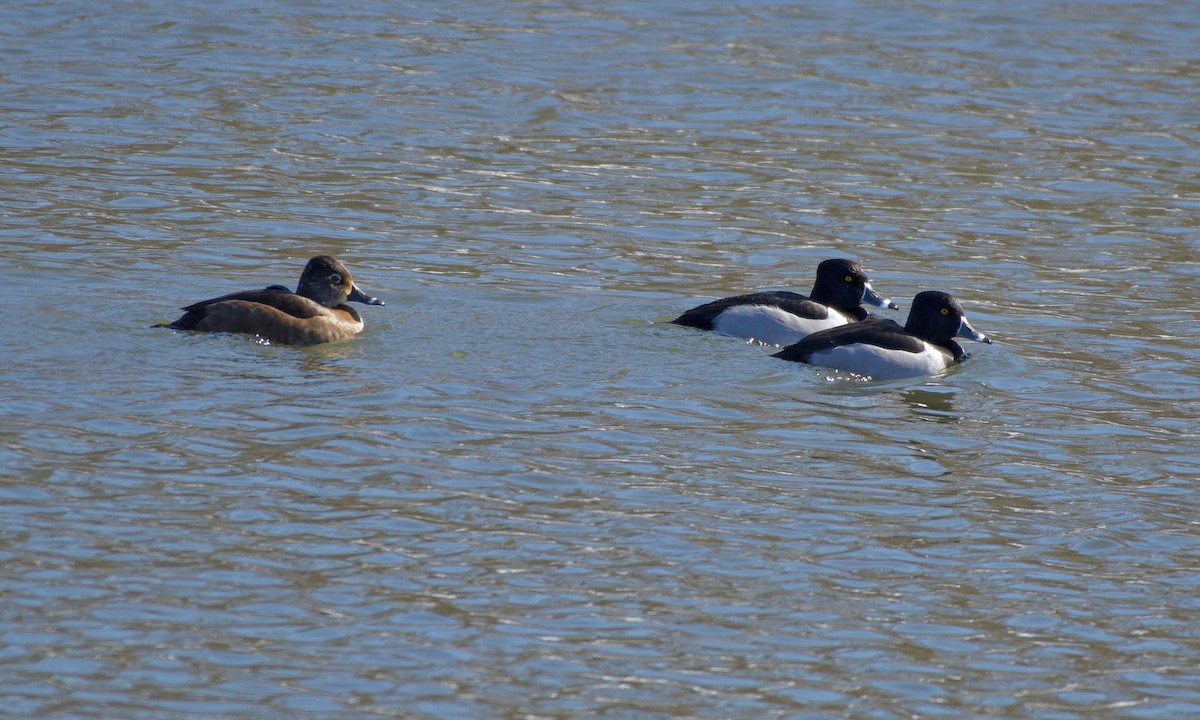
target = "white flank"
x: 770, y: 325
x: 883, y: 364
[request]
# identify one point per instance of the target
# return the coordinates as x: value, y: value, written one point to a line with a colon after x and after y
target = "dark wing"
x: 275, y: 296
x: 881, y: 331
x: 703, y: 316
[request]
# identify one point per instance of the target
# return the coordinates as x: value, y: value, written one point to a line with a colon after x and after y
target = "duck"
x: 781, y: 318
x: 880, y: 349
x: 316, y: 313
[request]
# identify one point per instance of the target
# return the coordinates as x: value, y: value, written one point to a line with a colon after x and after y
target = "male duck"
x: 315, y: 313
x: 882, y: 350
x: 780, y: 317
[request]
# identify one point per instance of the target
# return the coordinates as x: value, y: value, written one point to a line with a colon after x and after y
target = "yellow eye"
x: 849, y: 278
x: 945, y: 311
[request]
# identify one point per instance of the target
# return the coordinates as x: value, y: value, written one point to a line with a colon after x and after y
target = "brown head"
x: 327, y: 281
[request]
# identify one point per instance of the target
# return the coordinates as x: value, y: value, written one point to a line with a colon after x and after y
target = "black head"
x: 938, y: 317
x: 844, y: 285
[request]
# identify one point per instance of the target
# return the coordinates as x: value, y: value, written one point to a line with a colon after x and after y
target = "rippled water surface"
x: 520, y: 493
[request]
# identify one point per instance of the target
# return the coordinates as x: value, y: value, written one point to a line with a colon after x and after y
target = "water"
x: 519, y: 493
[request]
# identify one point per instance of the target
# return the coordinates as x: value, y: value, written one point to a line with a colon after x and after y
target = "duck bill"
x: 966, y: 331
x: 871, y: 297
x: 359, y: 296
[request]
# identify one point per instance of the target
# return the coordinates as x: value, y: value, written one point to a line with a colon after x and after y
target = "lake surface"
x: 520, y: 493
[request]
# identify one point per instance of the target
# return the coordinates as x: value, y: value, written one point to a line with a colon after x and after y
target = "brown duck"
x: 315, y: 313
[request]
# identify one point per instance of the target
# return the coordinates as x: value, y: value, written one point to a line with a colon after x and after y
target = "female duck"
x: 882, y: 350
x: 315, y: 313
x: 779, y: 318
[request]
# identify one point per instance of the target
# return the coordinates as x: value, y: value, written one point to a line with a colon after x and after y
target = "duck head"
x: 327, y: 281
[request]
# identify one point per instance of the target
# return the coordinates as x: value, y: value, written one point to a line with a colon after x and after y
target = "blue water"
x: 520, y: 492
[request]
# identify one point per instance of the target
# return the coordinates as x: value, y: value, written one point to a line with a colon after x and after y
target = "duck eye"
x: 335, y: 279
x: 849, y: 278
x: 945, y: 311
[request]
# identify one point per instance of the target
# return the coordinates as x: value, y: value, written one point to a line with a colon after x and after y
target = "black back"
x: 703, y: 316
x: 935, y: 318
x: 839, y: 285
x: 882, y: 332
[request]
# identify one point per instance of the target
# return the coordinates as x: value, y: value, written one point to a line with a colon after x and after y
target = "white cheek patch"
x: 881, y: 363
x: 771, y: 325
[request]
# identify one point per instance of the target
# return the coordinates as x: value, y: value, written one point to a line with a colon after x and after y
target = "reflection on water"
x: 518, y: 491
x: 932, y: 402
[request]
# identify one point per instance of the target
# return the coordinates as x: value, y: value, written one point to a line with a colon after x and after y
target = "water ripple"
x: 521, y: 491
